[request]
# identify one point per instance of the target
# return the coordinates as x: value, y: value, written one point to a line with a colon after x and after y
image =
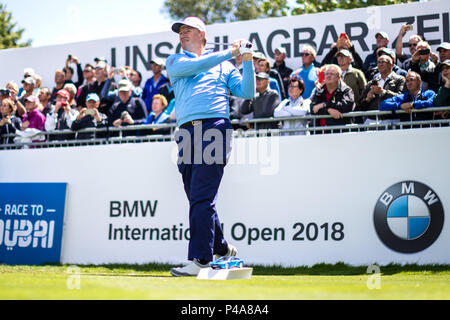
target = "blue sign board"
x: 31, y: 222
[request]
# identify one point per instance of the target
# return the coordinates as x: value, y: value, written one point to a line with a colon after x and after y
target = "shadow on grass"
x: 341, y: 269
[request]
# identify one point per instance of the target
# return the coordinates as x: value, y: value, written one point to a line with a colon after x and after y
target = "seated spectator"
x: 385, y: 51
x: 343, y: 43
x: 404, y: 59
x: 264, y: 102
x: 308, y: 71
x: 72, y: 90
x: 294, y: 106
x: 13, y: 95
x: 68, y: 71
x: 44, y: 101
x: 61, y: 117
x: 33, y: 119
x: 127, y: 111
x: 275, y: 82
x: 90, y: 118
x: 422, y: 63
x: 444, y: 51
x: 371, y: 60
x: 333, y: 98
x: 280, y: 66
x: 384, y: 86
x: 443, y: 96
x: 88, y: 87
x: 9, y: 123
x: 413, y: 98
x: 352, y: 77
x: 60, y: 78
x: 157, y: 116
x: 153, y: 84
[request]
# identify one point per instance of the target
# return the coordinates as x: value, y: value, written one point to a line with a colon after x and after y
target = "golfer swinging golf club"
x: 202, y: 81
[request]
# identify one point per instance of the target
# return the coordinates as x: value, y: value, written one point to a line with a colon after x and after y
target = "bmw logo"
x: 408, y: 217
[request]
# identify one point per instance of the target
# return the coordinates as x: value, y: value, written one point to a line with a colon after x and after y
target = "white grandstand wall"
x: 321, y: 30
x: 297, y: 200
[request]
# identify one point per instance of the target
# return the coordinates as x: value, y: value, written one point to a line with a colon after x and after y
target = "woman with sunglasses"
x: 422, y: 63
x: 294, y: 106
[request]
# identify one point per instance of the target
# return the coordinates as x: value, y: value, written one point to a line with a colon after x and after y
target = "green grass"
x: 154, y: 282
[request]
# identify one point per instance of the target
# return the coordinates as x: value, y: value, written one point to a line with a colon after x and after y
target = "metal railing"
x: 246, y: 128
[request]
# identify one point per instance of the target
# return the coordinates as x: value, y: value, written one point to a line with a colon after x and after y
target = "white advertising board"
x: 320, y: 30
x: 300, y: 200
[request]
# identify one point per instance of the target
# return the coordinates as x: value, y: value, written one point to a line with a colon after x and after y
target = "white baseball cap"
x: 193, y: 22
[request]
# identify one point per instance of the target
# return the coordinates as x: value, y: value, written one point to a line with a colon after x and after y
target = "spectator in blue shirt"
x: 153, y: 84
x: 308, y: 72
x: 414, y: 98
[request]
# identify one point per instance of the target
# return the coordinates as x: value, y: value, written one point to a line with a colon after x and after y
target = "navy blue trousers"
x: 201, y: 180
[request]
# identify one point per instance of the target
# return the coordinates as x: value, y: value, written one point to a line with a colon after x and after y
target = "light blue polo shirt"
x: 202, y: 84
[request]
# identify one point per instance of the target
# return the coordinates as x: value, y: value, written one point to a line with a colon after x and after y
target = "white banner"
x: 320, y: 30
x: 300, y: 200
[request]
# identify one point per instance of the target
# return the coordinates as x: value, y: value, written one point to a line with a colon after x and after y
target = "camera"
x: 410, y: 27
x: 123, y: 115
x: 5, y: 92
x: 375, y: 82
x: 90, y: 112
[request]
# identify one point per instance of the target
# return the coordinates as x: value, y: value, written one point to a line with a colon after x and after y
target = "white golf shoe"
x: 232, y: 252
x: 189, y: 270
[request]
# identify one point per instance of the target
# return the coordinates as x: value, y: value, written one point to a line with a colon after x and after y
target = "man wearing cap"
x: 386, y: 51
x: 33, y: 119
x: 352, y: 77
x: 382, y: 39
x: 280, y: 66
x: 61, y: 117
x: 444, y: 51
x: 89, y: 117
x: 264, y: 103
x: 29, y: 84
x: 128, y: 110
x: 202, y: 81
x: 153, y: 84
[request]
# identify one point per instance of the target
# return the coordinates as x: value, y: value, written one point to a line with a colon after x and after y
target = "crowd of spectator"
x: 104, y: 96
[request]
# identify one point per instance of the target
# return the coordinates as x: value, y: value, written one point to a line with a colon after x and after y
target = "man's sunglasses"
x: 305, y: 54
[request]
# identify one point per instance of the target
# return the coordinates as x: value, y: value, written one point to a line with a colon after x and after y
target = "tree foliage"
x: 314, y: 6
x: 9, y: 37
x: 212, y: 11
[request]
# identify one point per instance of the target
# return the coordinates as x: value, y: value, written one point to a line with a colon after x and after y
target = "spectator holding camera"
x: 128, y: 110
x: 9, y: 123
x: 385, y: 85
x: 343, y: 43
x: 89, y: 117
x: 13, y: 95
x: 68, y: 71
x: 61, y: 117
x: 294, y: 106
x: 404, y: 59
x: 414, y: 98
x: 422, y: 63
x: 333, y: 98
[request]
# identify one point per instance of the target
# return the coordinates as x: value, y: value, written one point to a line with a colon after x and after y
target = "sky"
x: 50, y: 22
